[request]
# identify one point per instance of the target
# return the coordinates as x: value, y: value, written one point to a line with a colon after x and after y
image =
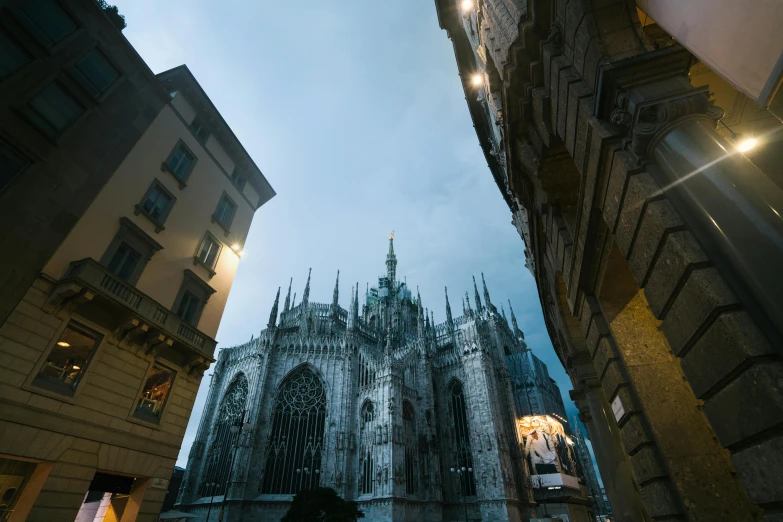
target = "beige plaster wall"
x: 186, y: 225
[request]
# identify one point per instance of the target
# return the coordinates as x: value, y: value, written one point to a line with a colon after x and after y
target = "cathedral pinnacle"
x: 336, y: 295
x: 449, y: 320
x: 503, y: 311
x: 479, y: 308
x: 273, y: 313
x: 391, y: 266
x: 486, y: 293
x: 468, y: 311
x: 513, y: 319
x: 306, y: 295
x: 287, y: 305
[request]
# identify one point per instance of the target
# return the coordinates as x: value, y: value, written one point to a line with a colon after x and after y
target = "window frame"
x: 52, y: 47
x: 15, y: 41
x: 197, y: 260
x: 6, y: 145
x: 225, y: 226
x: 43, y: 387
x: 201, y: 139
x: 234, y: 177
x: 138, y: 415
x: 166, y: 165
x: 158, y: 222
x: 130, y: 233
x: 193, y: 284
x: 27, y: 106
x: 80, y: 78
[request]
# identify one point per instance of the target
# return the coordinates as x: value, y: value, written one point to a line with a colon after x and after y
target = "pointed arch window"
x: 461, y: 438
x: 368, y: 413
x: 224, y: 439
x: 293, y: 461
x: 367, y: 449
x: 409, y: 431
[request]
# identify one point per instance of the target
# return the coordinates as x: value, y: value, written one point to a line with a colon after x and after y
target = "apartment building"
x: 133, y: 200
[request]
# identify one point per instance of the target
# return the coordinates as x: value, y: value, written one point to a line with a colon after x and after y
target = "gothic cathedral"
x: 413, y: 420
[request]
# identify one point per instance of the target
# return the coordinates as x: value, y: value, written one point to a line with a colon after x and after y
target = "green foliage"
x: 113, y: 13
x: 322, y: 505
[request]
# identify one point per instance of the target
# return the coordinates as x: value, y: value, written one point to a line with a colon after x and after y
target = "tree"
x: 322, y: 505
x: 113, y: 13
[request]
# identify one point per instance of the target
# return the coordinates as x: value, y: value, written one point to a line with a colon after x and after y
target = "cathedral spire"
x: 419, y: 315
x: 503, y: 311
x: 356, y: 305
x: 336, y: 294
x: 479, y: 308
x: 468, y: 311
x: 306, y: 295
x: 513, y: 318
x: 287, y: 305
x: 391, y: 266
x: 449, y: 320
x: 486, y: 293
x: 293, y: 301
x: 353, y: 313
x: 273, y: 314
x: 432, y: 325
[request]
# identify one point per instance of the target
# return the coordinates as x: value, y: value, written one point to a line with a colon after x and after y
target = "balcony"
x: 98, y: 295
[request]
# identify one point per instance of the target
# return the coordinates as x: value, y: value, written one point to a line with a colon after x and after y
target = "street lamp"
x: 211, y: 486
x: 462, y: 474
x: 307, y: 471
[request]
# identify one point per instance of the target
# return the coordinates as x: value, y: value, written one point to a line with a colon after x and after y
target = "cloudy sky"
x: 354, y: 112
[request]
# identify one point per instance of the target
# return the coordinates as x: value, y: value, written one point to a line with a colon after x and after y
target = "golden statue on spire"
x: 391, y: 236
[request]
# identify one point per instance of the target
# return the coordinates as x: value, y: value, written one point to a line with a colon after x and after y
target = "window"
x: 94, y: 72
x: 46, y: 20
x: 410, y: 456
x: 224, y: 214
x: 156, y: 204
x: 11, y: 163
x: 208, y: 251
x: 124, y: 262
x: 368, y: 413
x: 188, y: 307
x: 294, y: 449
x: 180, y: 163
x: 461, y: 432
x: 68, y: 360
x: 129, y: 252
x: 15, y: 478
x: 12, y: 56
x: 218, y: 458
x: 53, y: 109
x: 154, y: 394
x: 238, y: 180
x: 198, y: 128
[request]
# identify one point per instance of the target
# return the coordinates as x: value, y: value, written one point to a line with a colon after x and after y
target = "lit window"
x: 198, y: 128
x: 15, y: 477
x: 46, y: 20
x: 208, y: 251
x: 154, y: 394
x: 238, y: 180
x: 224, y: 214
x: 12, y: 56
x: 53, y: 109
x: 94, y: 72
x: 188, y: 307
x: 124, y: 262
x: 181, y: 162
x: 68, y: 360
x: 11, y: 164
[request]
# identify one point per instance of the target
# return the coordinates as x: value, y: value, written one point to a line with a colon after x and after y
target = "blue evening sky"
x: 354, y: 112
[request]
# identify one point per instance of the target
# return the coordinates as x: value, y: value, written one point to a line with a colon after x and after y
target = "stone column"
x: 613, y: 463
x: 735, y: 208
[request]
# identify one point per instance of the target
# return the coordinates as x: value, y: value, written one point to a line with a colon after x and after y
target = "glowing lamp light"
x: 74, y: 367
x: 241, y: 253
x: 466, y: 5
x: 746, y: 145
x: 235, y: 247
x: 63, y: 344
x: 476, y: 80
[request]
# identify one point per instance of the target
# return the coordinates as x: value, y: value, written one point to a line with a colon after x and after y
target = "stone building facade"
x: 380, y: 405
x: 131, y: 200
x: 653, y: 240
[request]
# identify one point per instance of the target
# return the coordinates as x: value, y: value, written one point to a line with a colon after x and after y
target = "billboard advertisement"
x: 547, y: 448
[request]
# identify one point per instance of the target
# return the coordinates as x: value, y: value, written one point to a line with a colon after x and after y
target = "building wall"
x: 39, y: 207
x: 190, y: 218
x: 95, y: 429
x: 645, y: 292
